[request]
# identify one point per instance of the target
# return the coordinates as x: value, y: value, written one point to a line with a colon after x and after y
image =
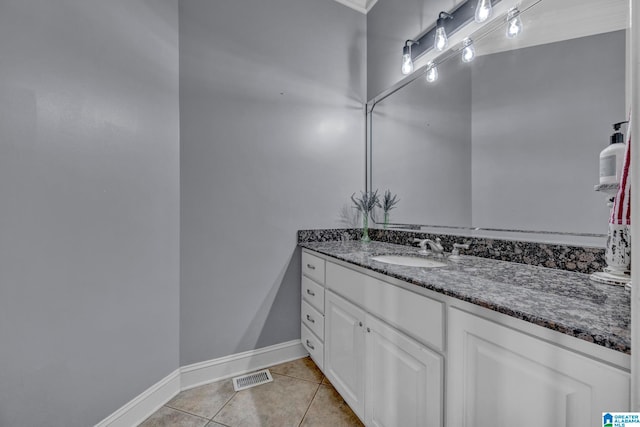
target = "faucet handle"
x: 439, y: 243
x: 457, y: 247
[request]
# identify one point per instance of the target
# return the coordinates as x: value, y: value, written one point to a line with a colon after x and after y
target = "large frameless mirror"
x: 507, y: 145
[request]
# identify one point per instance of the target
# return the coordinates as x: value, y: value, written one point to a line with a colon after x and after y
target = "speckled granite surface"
x: 564, y: 301
x: 565, y: 257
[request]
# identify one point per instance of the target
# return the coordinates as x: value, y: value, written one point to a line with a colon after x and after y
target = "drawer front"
x: 313, y: 319
x: 417, y: 315
x: 313, y: 267
x: 313, y: 294
x: 313, y: 345
x: 347, y: 283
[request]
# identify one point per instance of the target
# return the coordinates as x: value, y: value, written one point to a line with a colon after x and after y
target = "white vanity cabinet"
x: 386, y: 377
x: 403, y: 379
x: 344, y: 351
x: 385, y: 350
x: 498, y: 376
x: 312, y: 307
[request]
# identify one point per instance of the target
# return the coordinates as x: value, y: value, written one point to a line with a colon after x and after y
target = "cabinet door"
x: 344, y: 350
x: 497, y: 376
x: 403, y: 380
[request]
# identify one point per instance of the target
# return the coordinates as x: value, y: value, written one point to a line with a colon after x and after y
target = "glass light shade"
x: 514, y: 24
x: 468, y: 52
x: 407, y: 64
x: 432, y: 72
x: 441, y: 40
x: 483, y: 10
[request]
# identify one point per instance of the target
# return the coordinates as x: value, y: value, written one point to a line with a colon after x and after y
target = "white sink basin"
x: 408, y: 260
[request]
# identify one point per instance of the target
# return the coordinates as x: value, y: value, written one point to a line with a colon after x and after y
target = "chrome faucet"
x: 436, y: 247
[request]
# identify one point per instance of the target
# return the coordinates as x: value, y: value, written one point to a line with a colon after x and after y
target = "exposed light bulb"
x: 514, y: 23
x: 468, y: 51
x: 407, y: 62
x: 441, y: 41
x: 432, y: 72
x: 483, y: 10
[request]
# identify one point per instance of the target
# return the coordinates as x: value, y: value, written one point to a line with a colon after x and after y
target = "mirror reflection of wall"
x: 422, y: 149
x: 540, y: 117
x: 509, y: 141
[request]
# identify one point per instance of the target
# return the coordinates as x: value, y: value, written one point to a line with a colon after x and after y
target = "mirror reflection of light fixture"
x: 514, y: 23
x: 468, y: 51
x: 483, y: 10
x: 432, y: 72
x: 441, y: 40
x: 407, y: 62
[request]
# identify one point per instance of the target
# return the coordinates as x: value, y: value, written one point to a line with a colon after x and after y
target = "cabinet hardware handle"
x: 313, y: 294
x: 310, y: 319
x: 311, y: 267
x: 360, y: 324
x: 310, y: 346
x: 368, y: 330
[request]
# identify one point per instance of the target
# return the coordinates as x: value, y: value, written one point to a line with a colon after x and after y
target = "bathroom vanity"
x: 476, y: 342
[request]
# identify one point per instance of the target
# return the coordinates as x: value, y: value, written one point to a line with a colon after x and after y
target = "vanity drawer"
x: 313, y: 319
x: 313, y: 294
x: 313, y: 267
x: 313, y: 345
x: 417, y: 315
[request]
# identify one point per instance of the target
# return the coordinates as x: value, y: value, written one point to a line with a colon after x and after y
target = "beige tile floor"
x: 299, y: 396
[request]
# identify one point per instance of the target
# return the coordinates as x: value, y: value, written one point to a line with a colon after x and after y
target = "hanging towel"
x: 621, y: 211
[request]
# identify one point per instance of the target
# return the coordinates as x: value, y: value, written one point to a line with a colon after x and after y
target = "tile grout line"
x: 309, y: 406
x: 186, y: 412
x: 222, y: 407
x: 298, y: 378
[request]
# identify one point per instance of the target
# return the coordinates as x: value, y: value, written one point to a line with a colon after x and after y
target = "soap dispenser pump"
x: 611, y: 158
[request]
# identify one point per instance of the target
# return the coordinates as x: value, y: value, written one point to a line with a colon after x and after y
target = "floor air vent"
x: 251, y: 380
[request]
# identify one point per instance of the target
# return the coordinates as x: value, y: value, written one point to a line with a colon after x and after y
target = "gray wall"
x: 272, y: 137
x: 541, y: 116
x: 89, y: 258
x: 389, y: 24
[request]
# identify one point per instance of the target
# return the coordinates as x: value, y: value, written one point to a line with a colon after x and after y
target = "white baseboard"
x: 240, y: 363
x: 149, y: 401
x: 145, y: 404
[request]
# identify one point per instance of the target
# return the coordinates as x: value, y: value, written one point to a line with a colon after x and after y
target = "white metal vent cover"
x: 251, y: 380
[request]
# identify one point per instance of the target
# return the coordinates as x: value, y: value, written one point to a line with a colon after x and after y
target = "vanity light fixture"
x: 468, y: 51
x: 441, y: 40
x: 407, y: 61
x: 514, y: 23
x: 432, y: 72
x: 483, y: 11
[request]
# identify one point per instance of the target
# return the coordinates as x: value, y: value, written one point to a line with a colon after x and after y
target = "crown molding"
x: 362, y: 6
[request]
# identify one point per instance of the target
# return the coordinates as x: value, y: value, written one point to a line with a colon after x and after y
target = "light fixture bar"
x: 484, y: 31
x: 462, y: 15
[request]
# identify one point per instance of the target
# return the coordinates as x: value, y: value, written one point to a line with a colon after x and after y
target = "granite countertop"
x: 564, y: 301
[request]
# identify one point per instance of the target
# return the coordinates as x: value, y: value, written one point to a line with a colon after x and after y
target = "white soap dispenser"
x: 611, y: 158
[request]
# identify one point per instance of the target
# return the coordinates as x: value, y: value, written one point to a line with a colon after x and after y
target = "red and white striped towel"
x: 621, y: 211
